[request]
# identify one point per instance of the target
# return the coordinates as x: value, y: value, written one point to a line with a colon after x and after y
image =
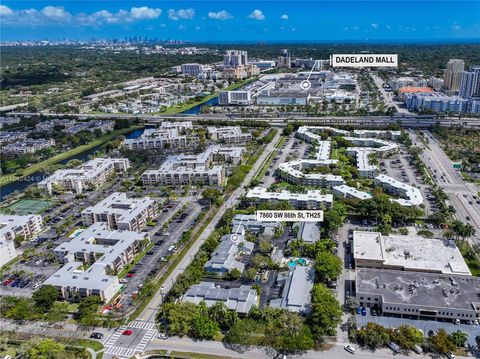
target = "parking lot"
x: 27, y: 275
x: 401, y: 168
x: 164, y: 248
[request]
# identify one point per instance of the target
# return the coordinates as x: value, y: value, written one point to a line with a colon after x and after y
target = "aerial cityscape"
x: 204, y: 179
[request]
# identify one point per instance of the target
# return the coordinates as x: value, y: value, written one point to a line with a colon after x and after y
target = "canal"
x: 24, y: 182
x: 196, y: 110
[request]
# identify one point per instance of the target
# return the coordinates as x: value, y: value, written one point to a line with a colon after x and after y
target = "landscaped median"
x: 65, y: 155
x: 269, y: 159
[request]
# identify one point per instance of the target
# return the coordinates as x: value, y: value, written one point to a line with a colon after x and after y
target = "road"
x: 149, y: 313
x: 407, y: 121
x: 218, y: 348
x: 189, y: 345
x: 460, y: 193
x: 387, y: 96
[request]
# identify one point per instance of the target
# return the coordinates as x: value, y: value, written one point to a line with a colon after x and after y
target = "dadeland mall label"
x: 364, y: 60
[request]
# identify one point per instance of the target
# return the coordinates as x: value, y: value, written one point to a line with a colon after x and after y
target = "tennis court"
x: 28, y: 206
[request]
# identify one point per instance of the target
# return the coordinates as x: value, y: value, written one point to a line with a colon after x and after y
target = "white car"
x: 162, y: 336
x: 350, y: 349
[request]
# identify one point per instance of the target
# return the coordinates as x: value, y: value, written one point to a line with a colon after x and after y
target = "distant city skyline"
x: 246, y: 21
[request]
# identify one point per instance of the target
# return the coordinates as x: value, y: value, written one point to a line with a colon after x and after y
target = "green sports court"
x: 27, y: 206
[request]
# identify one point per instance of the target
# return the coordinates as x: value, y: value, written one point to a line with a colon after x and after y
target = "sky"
x: 242, y: 20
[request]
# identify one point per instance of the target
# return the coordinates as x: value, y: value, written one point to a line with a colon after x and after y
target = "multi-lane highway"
x: 463, y: 196
x: 406, y: 121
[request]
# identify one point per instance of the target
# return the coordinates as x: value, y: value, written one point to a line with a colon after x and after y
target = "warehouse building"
x: 419, y: 295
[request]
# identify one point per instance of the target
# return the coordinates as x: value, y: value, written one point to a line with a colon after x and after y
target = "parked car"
x: 350, y: 349
x: 162, y: 336
x: 450, y: 355
x: 417, y: 349
x: 364, y: 311
x: 96, y: 335
x: 394, y: 346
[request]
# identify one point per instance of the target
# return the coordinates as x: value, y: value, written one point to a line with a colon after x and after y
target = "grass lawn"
x: 189, y: 355
x: 15, y: 340
x: 62, y: 156
x: 472, y: 259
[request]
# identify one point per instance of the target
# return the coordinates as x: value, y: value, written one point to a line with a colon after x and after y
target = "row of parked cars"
x: 16, y: 280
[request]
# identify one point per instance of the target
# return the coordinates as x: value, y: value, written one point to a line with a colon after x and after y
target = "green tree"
x: 177, y: 318
x: 406, y: 336
x: 203, y: 327
x: 458, y: 338
x: 249, y: 274
x: 440, y: 342
x: 47, y: 349
x: 327, y: 266
x: 326, y: 312
x: 45, y: 297
x: 233, y: 274
x: 87, y: 310
x: 373, y: 335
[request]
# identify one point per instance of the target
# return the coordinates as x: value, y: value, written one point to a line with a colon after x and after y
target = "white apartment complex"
x: 410, y: 196
x: 195, y: 169
x: 167, y: 135
x: 89, y: 175
x: 313, y: 199
x: 121, y: 212
x: 7, y: 251
x: 229, y: 134
x: 12, y: 226
x: 104, y: 252
x: 27, y: 146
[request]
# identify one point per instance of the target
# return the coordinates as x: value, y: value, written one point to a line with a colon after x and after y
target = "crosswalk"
x: 115, y: 336
x: 141, y: 325
x: 121, y: 352
x: 145, y: 340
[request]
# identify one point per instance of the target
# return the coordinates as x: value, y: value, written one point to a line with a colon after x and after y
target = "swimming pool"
x: 299, y: 261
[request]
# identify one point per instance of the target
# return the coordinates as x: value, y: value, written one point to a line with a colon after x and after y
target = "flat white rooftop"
x: 409, y: 252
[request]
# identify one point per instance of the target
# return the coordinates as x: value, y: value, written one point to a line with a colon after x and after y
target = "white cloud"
x: 257, y: 15
x: 145, y: 12
x: 181, y: 27
x: 351, y: 28
x: 181, y: 14
x: 5, y: 10
x: 374, y: 26
x: 52, y: 15
x: 197, y: 28
x: 388, y: 27
x: 220, y: 15
x: 284, y: 17
x: 56, y: 13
